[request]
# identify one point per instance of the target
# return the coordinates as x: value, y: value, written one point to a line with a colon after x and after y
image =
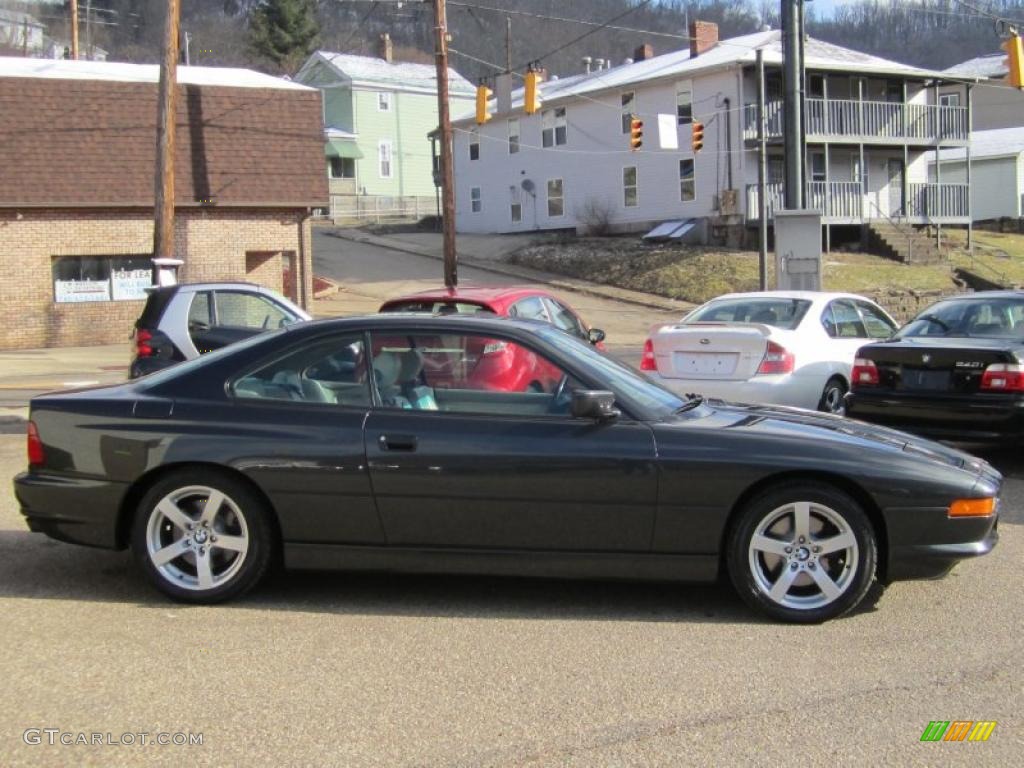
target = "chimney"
x: 643, y: 52
x: 386, y: 49
x: 703, y: 37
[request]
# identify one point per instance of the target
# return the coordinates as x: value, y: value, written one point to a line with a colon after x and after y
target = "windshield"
x: 777, y: 312
x: 624, y: 381
x: 994, y: 317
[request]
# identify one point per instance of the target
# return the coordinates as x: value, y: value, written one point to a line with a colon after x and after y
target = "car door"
x: 844, y: 324
x: 456, y: 465
x: 238, y: 315
x: 305, y: 409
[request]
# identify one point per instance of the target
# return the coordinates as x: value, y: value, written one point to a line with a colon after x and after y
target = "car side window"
x: 199, y: 312
x: 828, y: 322
x: 467, y: 373
x: 847, y: 320
x: 247, y: 310
x: 876, y: 322
x: 330, y: 372
x: 530, y: 308
x: 563, y: 318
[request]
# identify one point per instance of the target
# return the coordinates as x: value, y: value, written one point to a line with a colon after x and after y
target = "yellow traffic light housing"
x: 1014, y: 60
x: 483, y: 93
x: 697, y: 136
x: 636, y: 133
x: 531, y: 92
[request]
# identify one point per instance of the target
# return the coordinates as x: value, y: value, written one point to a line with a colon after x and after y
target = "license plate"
x: 704, y: 363
x: 930, y: 380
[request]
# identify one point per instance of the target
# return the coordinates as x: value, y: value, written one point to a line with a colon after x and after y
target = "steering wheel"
x: 558, y: 394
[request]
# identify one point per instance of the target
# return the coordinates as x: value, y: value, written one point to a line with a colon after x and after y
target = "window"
x: 383, y: 101
x: 467, y: 373
x: 627, y: 111
x: 817, y: 166
x: 100, y: 278
x: 816, y: 86
x: 249, y: 310
x: 530, y: 308
x: 554, y: 127
x: 200, y: 312
x: 513, y: 136
x: 776, y: 170
x: 878, y: 325
x: 894, y: 91
x: 780, y: 313
x: 687, y: 183
x: 855, y: 169
x: 384, y: 158
x: 556, y: 198
x: 474, y: 144
x: 563, y: 317
x: 516, y: 212
x: 842, y: 321
x: 330, y: 373
x: 684, y: 102
x: 342, y: 168
x: 949, y: 99
x: 629, y: 187
x: 474, y: 200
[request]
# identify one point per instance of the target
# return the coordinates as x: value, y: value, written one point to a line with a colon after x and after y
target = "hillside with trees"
x: 275, y: 35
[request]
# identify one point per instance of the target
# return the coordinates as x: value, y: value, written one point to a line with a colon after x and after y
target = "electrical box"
x: 798, y: 250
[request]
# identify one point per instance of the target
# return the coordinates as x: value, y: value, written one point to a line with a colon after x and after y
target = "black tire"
x: 833, y: 518
x: 240, y: 519
x: 832, y: 396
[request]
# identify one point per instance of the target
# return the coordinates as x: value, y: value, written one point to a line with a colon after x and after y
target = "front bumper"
x: 927, y: 543
x: 978, y: 418
x: 72, y: 509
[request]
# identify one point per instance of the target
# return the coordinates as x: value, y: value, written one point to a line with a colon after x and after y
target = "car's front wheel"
x: 802, y: 552
x: 202, y: 536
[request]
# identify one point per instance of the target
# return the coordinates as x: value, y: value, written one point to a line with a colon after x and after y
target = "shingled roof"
x: 86, y: 137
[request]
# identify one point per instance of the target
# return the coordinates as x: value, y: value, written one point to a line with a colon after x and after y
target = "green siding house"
x: 377, y: 117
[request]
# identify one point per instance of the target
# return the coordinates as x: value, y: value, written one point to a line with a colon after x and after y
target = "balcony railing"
x: 846, y: 202
x: 866, y: 121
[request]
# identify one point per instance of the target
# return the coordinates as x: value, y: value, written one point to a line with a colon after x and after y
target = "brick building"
x: 77, y: 160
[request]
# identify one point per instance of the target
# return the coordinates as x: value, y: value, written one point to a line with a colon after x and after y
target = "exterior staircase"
x: 902, y: 242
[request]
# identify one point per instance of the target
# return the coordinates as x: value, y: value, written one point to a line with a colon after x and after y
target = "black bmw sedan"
x: 393, y: 443
x: 954, y: 372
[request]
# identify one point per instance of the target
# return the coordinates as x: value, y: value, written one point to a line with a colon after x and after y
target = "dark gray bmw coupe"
x: 398, y: 443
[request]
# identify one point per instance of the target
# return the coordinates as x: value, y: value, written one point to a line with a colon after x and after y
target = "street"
x: 368, y: 670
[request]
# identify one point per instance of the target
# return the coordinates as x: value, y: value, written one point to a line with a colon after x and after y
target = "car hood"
x: 815, y: 428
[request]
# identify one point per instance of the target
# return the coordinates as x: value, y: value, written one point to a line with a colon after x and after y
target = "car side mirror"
x: 595, y: 335
x: 594, y: 404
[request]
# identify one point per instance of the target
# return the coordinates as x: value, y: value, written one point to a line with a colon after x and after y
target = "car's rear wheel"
x: 833, y: 397
x: 802, y: 552
x: 202, y: 536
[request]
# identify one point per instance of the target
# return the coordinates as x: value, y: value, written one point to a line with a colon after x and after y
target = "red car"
x: 497, y: 365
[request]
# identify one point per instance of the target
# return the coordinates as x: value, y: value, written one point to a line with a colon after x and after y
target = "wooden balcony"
x: 867, y: 122
x: 846, y: 202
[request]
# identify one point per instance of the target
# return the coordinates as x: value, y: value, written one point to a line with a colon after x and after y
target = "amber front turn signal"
x: 972, y: 507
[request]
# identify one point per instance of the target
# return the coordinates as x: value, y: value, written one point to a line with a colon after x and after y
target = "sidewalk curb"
x: 532, y: 275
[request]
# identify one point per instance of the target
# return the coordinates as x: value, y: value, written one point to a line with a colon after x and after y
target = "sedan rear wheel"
x: 802, y: 553
x: 833, y: 397
x: 202, y: 537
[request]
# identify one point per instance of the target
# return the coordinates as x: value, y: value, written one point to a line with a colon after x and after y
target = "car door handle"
x: 397, y: 442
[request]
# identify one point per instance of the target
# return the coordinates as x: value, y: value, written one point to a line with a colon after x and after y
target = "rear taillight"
x: 142, y: 346
x: 777, y: 359
x: 864, y: 373
x: 1003, y: 377
x: 36, y: 454
x: 647, y: 361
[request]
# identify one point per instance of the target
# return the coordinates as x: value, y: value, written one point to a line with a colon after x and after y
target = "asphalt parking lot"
x: 354, y: 670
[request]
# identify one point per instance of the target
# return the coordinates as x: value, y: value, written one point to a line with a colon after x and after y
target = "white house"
x: 995, y: 103
x: 997, y: 172
x: 870, y: 125
x: 21, y: 32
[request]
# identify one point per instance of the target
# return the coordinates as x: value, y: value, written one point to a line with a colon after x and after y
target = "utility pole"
x: 451, y: 277
x: 88, y: 29
x: 508, y: 44
x: 793, y: 67
x: 762, y: 187
x: 163, y: 197
x: 74, y: 30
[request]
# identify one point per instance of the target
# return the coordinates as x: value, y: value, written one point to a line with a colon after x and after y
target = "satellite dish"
x: 528, y: 186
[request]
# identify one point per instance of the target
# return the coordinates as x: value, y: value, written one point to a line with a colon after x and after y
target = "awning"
x: 339, y: 148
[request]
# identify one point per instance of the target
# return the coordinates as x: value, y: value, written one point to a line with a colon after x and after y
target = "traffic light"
x: 697, y: 136
x: 636, y: 132
x: 483, y: 93
x: 531, y: 93
x: 1014, y: 60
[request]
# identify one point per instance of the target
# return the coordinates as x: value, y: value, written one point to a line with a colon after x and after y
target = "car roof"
x: 218, y: 286
x: 1010, y: 293
x: 807, y: 295
x: 482, y: 294
x: 419, y: 320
